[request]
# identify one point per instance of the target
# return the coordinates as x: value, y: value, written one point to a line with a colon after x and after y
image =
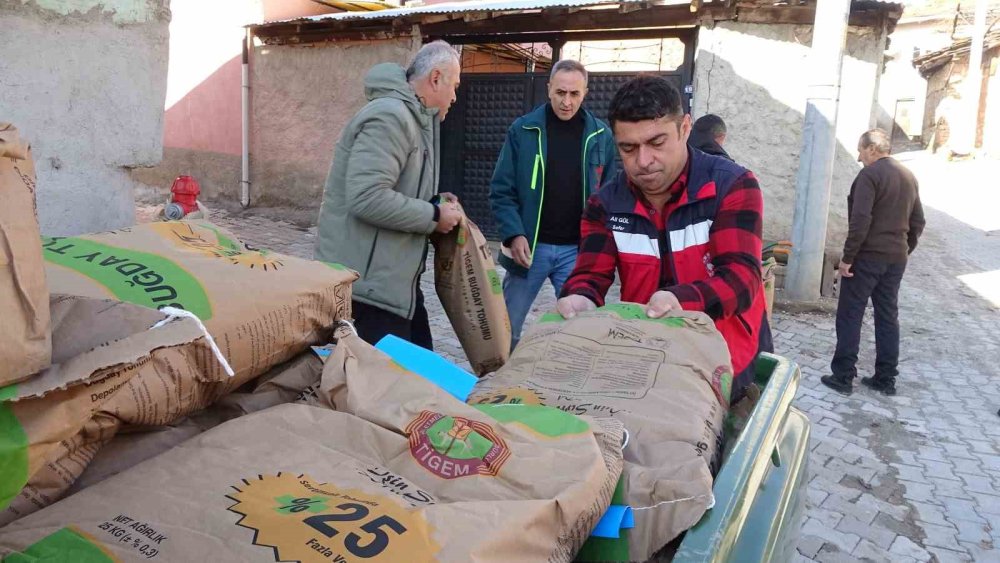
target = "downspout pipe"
x: 245, y: 101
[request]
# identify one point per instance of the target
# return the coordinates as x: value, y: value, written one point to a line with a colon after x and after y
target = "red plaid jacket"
x: 704, y: 247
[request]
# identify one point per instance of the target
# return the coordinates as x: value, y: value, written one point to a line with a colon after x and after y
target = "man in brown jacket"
x: 886, y: 219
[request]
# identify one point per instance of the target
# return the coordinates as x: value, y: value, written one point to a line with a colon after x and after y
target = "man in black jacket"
x: 886, y: 219
x: 708, y: 134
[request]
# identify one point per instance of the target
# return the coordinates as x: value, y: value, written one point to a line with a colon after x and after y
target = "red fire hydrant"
x: 184, y: 198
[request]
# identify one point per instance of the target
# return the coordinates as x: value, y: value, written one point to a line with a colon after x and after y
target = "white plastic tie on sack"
x: 175, y: 313
x: 348, y: 324
x: 711, y: 502
x: 625, y: 438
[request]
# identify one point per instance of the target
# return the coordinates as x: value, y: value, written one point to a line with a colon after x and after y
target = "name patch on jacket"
x: 620, y: 223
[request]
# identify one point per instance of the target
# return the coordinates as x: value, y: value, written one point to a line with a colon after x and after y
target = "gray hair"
x: 436, y: 54
x: 567, y: 65
x: 877, y: 138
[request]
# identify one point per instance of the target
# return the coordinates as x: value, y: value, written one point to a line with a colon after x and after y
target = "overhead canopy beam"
x: 324, y: 31
x: 451, y: 25
x: 681, y: 33
x: 641, y: 20
x: 584, y: 20
x: 338, y: 36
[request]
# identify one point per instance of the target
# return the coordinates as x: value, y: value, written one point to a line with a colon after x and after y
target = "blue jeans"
x: 549, y: 261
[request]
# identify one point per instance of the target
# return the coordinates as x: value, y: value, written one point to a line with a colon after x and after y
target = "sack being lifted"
x: 408, y: 473
x: 470, y: 291
x: 25, y: 344
x: 667, y: 380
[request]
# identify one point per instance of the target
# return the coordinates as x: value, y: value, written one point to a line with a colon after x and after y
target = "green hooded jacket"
x: 376, y: 212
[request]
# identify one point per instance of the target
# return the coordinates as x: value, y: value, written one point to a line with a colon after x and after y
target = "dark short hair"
x: 645, y: 97
x: 710, y: 124
x: 568, y: 65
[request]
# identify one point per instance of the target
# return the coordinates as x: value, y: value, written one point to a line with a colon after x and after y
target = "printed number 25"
x: 352, y: 541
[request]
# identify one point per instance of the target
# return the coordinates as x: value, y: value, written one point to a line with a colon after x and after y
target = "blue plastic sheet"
x: 429, y: 365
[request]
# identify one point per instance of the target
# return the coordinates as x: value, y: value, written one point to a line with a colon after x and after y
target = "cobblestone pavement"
x: 914, y: 477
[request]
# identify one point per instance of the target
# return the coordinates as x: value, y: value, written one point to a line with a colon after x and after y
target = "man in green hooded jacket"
x: 381, y: 202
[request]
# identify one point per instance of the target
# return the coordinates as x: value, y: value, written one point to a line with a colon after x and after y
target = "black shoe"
x: 838, y: 383
x: 882, y: 385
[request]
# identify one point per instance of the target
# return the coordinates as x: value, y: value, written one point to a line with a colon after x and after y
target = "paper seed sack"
x: 666, y: 380
x: 429, y: 478
x: 260, y: 308
x: 25, y: 345
x: 469, y: 287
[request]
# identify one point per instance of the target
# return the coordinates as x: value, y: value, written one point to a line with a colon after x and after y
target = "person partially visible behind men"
x: 681, y: 227
x: 708, y: 134
x: 886, y: 220
x: 553, y: 158
x: 380, y: 203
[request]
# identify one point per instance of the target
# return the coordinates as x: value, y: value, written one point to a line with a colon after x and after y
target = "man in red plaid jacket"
x: 681, y: 227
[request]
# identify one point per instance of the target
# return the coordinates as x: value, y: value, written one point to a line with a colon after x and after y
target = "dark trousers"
x: 765, y: 341
x: 374, y: 323
x: 742, y: 380
x: 880, y: 282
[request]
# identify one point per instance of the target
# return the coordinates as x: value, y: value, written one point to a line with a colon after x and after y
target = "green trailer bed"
x: 759, y: 491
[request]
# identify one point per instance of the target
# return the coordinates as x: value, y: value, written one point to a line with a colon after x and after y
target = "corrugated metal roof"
x: 470, y: 6
x: 487, y: 6
x: 927, y: 62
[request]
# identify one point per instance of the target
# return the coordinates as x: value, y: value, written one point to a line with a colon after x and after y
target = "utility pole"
x: 819, y: 144
x: 974, y: 76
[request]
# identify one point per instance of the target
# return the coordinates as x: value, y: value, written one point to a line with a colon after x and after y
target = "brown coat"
x: 886, y: 217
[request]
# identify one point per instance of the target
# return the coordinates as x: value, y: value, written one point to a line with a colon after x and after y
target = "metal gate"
x: 475, y: 128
